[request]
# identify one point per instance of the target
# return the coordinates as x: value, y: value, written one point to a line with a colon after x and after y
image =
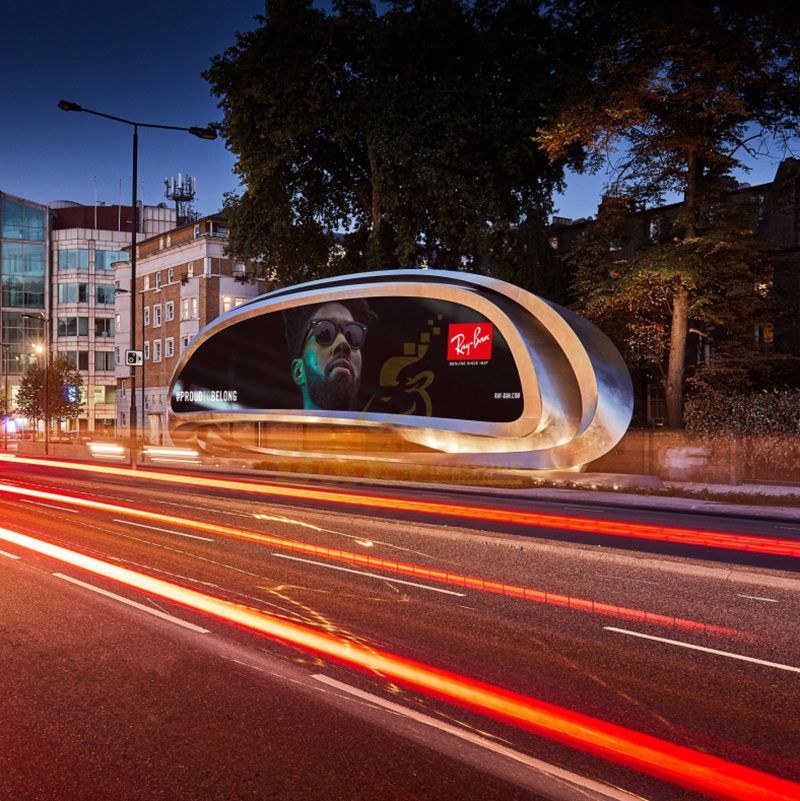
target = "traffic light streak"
x: 773, y: 546
x: 677, y: 764
x: 391, y: 566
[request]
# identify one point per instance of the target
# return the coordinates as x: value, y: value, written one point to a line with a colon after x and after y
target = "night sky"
x: 141, y: 62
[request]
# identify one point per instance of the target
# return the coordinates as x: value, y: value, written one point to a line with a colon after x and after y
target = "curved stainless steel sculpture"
x: 576, y: 394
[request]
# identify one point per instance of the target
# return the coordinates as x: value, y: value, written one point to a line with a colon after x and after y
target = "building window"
x: 116, y: 356
x: 654, y: 229
x: 146, y: 317
x: 156, y: 350
x: 103, y: 360
x: 104, y: 294
x: 185, y: 343
x: 146, y: 351
x: 169, y: 310
x: 238, y: 302
x: 157, y: 315
x: 190, y: 269
x: 227, y: 303
x: 104, y: 326
x: 78, y: 360
x: 105, y: 394
x: 73, y: 326
x: 158, y: 280
x: 146, y: 282
x: 73, y: 259
x: 196, y: 231
x: 74, y: 293
x: 169, y: 347
x: 185, y: 309
x: 104, y: 259
x: 194, y: 308
x: 170, y: 275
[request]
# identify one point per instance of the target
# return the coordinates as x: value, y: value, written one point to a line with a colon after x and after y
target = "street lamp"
x: 202, y: 133
x: 46, y: 350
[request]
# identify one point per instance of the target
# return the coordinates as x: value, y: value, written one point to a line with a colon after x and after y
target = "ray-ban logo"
x: 471, y: 341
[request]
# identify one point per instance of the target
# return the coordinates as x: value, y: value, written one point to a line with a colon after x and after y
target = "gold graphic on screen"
x: 404, y: 382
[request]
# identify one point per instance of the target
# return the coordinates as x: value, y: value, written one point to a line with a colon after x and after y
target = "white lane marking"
x: 129, y: 602
x: 9, y: 555
x: 51, y: 506
x: 605, y: 791
x: 369, y: 575
x: 758, y: 598
x: 704, y: 649
x: 165, y: 530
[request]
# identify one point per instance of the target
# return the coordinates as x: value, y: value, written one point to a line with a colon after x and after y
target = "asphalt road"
x: 103, y: 699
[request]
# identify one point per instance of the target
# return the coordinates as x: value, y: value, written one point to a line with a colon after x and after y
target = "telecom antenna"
x: 181, y: 189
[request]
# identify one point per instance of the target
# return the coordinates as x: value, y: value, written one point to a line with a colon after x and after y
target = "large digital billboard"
x: 396, y: 356
x: 439, y: 367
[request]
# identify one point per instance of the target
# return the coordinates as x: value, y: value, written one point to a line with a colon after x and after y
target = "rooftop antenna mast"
x: 181, y: 189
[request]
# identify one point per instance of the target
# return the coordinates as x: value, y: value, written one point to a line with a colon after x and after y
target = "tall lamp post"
x: 46, y: 350
x: 202, y: 133
x: 5, y: 346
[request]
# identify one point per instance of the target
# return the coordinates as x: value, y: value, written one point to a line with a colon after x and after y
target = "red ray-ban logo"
x: 469, y: 341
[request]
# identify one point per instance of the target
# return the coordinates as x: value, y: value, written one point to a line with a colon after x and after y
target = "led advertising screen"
x: 379, y: 355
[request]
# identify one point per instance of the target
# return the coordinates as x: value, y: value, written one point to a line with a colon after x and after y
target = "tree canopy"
x: 690, y: 91
x: 408, y: 132
x: 61, y: 398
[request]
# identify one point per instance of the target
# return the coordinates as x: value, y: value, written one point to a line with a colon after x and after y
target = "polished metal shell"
x: 577, y: 392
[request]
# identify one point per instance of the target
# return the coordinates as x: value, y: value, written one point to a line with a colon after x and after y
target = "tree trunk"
x: 376, y: 258
x: 677, y: 357
x: 680, y: 302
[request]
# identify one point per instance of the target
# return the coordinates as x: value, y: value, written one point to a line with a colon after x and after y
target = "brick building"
x: 184, y: 280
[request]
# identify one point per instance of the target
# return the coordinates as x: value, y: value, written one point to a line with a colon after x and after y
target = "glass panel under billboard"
x: 383, y: 355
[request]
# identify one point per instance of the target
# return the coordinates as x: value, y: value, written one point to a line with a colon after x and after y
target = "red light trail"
x: 773, y: 546
x: 391, y: 566
x: 695, y: 770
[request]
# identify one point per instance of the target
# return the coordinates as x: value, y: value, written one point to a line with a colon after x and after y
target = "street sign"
x: 134, y: 358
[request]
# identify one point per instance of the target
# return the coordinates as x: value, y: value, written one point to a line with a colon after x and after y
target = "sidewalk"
x: 756, y: 501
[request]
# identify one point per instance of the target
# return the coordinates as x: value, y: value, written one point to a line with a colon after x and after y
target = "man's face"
x: 329, y: 375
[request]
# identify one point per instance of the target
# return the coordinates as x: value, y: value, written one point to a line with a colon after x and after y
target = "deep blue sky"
x: 141, y: 61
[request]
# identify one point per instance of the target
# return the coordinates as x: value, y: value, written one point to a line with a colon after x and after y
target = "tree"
x: 62, y: 398
x: 408, y: 132
x: 690, y: 91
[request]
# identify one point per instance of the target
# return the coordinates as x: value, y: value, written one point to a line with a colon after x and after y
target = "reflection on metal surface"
x: 457, y: 368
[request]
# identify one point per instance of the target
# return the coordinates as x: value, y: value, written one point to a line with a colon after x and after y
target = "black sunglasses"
x: 325, y: 332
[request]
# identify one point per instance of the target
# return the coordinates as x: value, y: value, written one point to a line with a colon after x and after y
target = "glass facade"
x: 21, y: 220
x: 21, y: 334
x: 23, y: 271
